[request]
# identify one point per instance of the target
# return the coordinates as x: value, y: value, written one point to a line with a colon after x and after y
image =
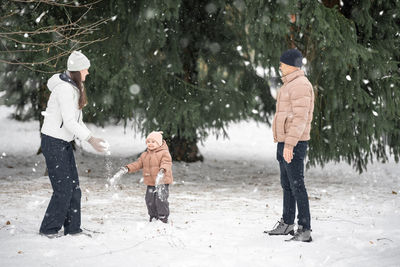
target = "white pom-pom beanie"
x: 77, y: 61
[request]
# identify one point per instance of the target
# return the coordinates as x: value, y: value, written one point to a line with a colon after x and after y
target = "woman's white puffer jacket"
x: 63, y: 118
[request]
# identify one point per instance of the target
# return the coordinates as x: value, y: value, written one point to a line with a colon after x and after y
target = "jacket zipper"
x: 78, y: 121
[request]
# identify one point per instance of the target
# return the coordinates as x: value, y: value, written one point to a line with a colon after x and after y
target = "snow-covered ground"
x: 219, y: 208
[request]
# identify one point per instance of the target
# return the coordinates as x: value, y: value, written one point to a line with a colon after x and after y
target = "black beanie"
x: 292, y: 57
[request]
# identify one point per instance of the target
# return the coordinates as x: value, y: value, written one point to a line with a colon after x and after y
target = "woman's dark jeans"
x: 65, y: 204
x: 292, y: 182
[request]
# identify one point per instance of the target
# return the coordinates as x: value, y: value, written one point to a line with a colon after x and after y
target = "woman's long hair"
x: 77, y: 78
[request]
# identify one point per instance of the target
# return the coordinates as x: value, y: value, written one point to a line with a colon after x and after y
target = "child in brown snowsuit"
x: 156, y: 163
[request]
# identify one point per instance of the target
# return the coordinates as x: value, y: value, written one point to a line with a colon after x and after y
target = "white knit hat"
x: 77, y: 61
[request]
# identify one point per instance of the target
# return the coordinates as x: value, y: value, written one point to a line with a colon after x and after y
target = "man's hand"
x: 288, y: 154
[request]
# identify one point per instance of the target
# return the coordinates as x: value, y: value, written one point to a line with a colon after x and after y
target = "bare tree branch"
x: 56, y: 3
x: 65, y: 38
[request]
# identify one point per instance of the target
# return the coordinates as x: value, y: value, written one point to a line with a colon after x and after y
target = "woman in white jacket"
x: 62, y: 124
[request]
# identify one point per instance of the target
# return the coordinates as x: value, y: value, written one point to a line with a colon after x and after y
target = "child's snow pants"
x: 157, y: 202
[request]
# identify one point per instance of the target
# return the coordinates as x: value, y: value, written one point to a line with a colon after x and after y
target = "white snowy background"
x: 219, y: 208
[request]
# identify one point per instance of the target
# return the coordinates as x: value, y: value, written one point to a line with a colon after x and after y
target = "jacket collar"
x: 66, y: 78
x: 291, y: 76
x: 162, y: 147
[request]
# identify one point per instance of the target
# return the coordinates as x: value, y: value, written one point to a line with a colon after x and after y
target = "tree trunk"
x: 182, y: 149
x: 331, y: 3
x: 185, y: 150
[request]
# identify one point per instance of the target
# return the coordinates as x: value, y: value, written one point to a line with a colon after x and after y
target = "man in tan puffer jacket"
x: 291, y: 129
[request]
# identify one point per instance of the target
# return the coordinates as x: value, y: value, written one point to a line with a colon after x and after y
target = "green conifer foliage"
x: 184, y: 67
x: 353, y: 54
x: 189, y: 68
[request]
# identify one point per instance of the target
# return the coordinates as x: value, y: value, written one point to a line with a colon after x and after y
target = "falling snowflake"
x: 134, y: 89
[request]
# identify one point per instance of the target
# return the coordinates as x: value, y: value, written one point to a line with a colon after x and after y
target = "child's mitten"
x: 160, y: 177
x: 115, y: 179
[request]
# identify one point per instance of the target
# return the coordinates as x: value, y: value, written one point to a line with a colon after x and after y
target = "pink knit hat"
x: 156, y: 136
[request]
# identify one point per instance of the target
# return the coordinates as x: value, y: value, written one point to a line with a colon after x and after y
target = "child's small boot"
x: 164, y: 219
x: 153, y: 218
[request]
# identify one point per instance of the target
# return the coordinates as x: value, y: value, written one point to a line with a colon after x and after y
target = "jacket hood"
x: 57, y: 79
x: 162, y: 147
